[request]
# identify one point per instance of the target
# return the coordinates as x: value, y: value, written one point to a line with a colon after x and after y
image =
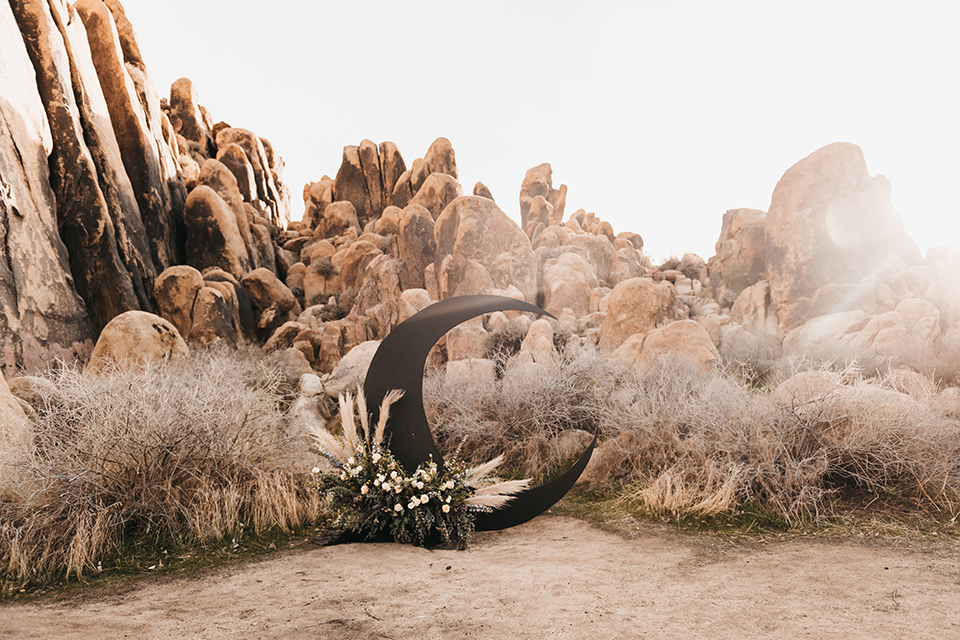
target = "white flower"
x: 399, y: 488
x: 393, y: 474
x: 424, y: 499
x: 364, y: 489
x: 376, y: 482
x: 343, y: 475
x: 448, y: 499
x: 375, y: 457
x: 315, y: 470
x: 418, y: 485
x: 351, y: 461
x: 398, y: 507
x: 386, y: 486
x: 446, y: 508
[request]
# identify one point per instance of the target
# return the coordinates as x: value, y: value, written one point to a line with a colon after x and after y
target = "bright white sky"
x: 658, y: 115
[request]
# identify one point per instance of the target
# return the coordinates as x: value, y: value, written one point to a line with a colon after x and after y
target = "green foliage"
x: 339, y: 308
x: 373, y: 497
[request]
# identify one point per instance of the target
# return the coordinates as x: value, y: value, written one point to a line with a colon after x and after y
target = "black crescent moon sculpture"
x: 399, y: 363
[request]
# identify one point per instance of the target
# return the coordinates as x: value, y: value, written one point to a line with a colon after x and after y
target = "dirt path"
x: 552, y: 578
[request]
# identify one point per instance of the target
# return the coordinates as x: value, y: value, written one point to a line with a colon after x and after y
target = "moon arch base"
x: 399, y: 363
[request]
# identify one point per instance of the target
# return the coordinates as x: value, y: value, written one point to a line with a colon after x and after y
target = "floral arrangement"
x: 373, y: 497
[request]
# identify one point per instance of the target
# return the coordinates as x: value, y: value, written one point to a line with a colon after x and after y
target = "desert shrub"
x: 525, y: 415
x: 686, y: 441
x: 670, y: 263
x: 188, y: 451
x: 755, y: 357
x: 502, y: 344
x: 339, y: 308
x: 324, y: 266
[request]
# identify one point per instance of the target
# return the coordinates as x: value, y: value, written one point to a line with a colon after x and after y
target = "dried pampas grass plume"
x: 327, y: 443
x: 348, y: 421
x: 474, y: 474
x: 392, y: 396
x: 497, y: 495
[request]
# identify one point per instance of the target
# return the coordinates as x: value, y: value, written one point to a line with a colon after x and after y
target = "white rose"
x: 351, y: 461
x: 393, y: 474
x: 398, y: 507
x: 364, y: 489
x: 446, y: 508
x: 315, y: 470
x: 424, y: 499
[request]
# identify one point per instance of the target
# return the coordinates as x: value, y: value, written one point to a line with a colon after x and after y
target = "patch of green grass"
x: 146, y: 557
x: 853, y: 515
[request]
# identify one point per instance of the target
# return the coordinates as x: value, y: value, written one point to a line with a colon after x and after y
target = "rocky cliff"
x: 94, y: 174
x: 114, y: 200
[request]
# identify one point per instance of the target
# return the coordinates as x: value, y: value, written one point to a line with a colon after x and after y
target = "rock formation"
x: 116, y: 205
x: 92, y: 190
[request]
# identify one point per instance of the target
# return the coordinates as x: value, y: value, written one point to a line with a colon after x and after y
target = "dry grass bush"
x: 692, y: 442
x: 525, y: 416
x: 189, y: 451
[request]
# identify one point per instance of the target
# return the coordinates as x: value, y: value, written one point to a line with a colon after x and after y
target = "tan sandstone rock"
x: 135, y: 338
x: 829, y: 223
x: 473, y: 229
x: 637, y: 305
x: 685, y: 341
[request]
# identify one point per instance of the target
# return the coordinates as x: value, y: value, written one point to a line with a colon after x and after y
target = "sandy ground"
x: 552, y: 578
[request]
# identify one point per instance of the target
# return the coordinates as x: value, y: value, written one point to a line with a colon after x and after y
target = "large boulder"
x: 233, y: 157
x: 268, y: 191
x: 392, y: 167
x: 15, y: 436
x: 213, y: 237
x: 438, y: 190
x: 268, y: 292
x: 336, y: 219
x: 186, y: 118
x: 176, y: 291
x: 136, y: 338
x: 474, y: 230
x: 829, y: 337
x: 351, y: 184
x: 638, y: 305
x: 415, y: 240
x: 684, y: 341
x: 829, y: 223
x: 218, y: 177
x: 440, y: 158
x: 352, y: 369
x: 540, y: 203
x: 568, y: 282
x: 741, y: 254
